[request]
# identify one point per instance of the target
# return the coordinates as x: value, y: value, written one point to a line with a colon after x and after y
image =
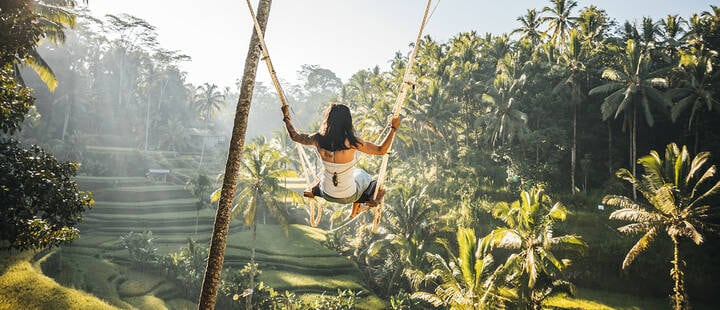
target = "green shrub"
x: 142, y: 249
x: 41, y: 202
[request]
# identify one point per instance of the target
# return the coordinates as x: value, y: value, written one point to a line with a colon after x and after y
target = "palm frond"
x: 428, y: 297
x: 637, y: 215
x: 613, y: 75
x: 42, y: 68
x: 707, y: 176
x: 712, y: 191
x: 664, y: 200
x: 639, y: 247
x: 620, y: 202
x: 568, y: 242
x: 558, y: 212
x: 501, y: 237
x: 636, y: 228
x: 697, y: 164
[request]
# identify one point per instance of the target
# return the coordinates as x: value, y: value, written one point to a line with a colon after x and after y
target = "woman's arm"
x: 301, y: 138
x: 382, y: 149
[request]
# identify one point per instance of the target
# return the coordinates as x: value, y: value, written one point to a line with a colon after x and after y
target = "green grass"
x: 24, y: 287
x: 272, y: 240
x: 147, y: 302
x: 281, y: 280
x: 140, y: 284
x: 603, y: 300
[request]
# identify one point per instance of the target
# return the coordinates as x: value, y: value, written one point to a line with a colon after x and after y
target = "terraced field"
x: 97, y: 263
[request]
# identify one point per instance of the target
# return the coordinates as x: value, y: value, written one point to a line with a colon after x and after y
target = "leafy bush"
x: 142, y: 250
x: 41, y: 202
x: 187, y: 266
x: 15, y: 101
x: 345, y: 299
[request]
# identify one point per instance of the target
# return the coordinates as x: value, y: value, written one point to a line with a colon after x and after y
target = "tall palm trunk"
x: 633, y: 147
x: 147, y: 121
x: 68, y: 111
x: 248, y: 304
x: 573, y: 151
x: 610, y: 160
x: 677, y: 275
x: 204, y: 138
x: 208, y: 295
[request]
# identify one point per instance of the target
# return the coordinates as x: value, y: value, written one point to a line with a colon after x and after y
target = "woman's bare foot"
x: 357, y: 208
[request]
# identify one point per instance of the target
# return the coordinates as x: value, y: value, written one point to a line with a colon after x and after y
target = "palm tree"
x: 532, y: 268
x: 466, y: 279
x: 412, y: 227
x: 53, y: 17
x: 218, y: 241
x: 593, y: 24
x: 677, y: 192
x: 696, y: 89
x: 530, y: 22
x: 559, y: 21
x: 208, y: 100
x: 502, y: 119
x: 573, y: 59
x: 199, y: 186
x: 174, y: 136
x: 671, y: 30
x: 261, y: 176
x: 632, y: 86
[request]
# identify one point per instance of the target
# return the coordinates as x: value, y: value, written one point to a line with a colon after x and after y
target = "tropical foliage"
x: 562, y: 96
x: 678, y: 192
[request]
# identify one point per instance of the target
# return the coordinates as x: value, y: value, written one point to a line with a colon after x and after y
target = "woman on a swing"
x: 336, y: 143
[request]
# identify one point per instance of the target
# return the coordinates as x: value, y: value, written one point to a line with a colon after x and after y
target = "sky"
x: 344, y: 36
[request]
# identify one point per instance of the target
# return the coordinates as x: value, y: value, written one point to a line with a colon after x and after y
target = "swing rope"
x: 408, y: 81
x: 305, y: 162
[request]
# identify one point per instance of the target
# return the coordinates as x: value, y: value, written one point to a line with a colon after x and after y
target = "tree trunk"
x: 573, y: 151
x: 209, y: 291
x: 68, y: 111
x: 537, y: 145
x: 248, y: 303
x: 696, y: 145
x: 677, y: 275
x: 610, y: 165
x: 147, y: 121
x: 633, y: 147
x: 204, y: 138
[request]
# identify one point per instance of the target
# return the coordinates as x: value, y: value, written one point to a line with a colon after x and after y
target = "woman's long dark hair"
x: 337, y: 127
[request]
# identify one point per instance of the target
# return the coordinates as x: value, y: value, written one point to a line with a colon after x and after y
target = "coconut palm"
x: 559, y: 20
x: 199, y: 187
x: 696, y: 90
x: 502, y: 119
x: 530, y: 22
x: 632, y: 85
x: 465, y: 278
x: 208, y: 100
x: 174, y: 136
x: 671, y: 29
x: 211, y: 281
x: 533, y: 269
x: 677, y: 192
x: 573, y: 59
x: 53, y: 17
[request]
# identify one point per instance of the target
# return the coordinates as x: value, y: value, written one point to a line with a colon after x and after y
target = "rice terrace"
x: 406, y: 154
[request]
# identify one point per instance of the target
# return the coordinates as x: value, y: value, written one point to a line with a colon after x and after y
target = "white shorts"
x: 362, y: 181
